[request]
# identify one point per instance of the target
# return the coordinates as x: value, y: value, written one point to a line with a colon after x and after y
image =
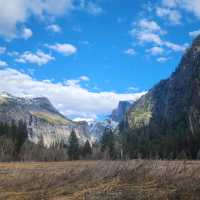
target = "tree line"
x: 15, y: 146
x: 145, y: 143
x: 12, y: 138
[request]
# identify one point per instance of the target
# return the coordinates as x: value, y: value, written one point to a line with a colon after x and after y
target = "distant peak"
x: 5, y: 94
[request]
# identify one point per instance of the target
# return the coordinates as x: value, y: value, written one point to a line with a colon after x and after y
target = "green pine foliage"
x: 87, y: 150
x: 12, y: 138
x: 73, y: 149
x: 108, y: 143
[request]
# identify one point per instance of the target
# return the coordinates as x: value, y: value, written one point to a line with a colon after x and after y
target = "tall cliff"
x: 173, y: 103
x: 42, y: 119
x: 119, y: 113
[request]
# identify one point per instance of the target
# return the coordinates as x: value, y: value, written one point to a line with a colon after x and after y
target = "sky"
x: 87, y: 55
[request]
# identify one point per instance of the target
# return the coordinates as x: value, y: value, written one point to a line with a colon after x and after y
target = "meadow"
x: 100, y: 180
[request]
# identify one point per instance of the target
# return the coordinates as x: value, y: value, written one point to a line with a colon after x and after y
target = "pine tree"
x: 107, y: 142
x: 198, y: 155
x: 20, y: 136
x: 73, y: 149
x: 87, y: 149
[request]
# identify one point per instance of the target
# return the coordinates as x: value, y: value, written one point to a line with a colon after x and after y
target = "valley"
x: 100, y: 180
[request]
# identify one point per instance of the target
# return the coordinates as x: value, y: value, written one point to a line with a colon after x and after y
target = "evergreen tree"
x: 73, y: 149
x: 108, y: 143
x: 20, y: 136
x: 182, y: 155
x: 198, y: 155
x: 87, y: 149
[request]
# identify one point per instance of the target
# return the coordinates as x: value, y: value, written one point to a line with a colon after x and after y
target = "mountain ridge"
x: 43, y: 120
x: 172, y: 105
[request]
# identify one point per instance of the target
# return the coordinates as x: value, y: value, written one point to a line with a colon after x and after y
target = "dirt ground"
x: 100, y: 180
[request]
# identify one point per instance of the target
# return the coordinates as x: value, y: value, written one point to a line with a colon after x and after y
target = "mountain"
x: 42, y: 119
x: 45, y: 122
x: 173, y: 105
x: 119, y: 113
x: 97, y: 128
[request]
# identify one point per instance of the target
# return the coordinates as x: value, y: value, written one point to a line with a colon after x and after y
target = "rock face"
x: 46, y: 123
x: 42, y: 119
x: 175, y: 102
x: 119, y: 113
x: 97, y: 128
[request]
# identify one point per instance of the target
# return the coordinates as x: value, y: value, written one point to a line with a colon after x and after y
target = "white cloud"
x: 149, y: 26
x: 170, y: 3
x: 130, y: 52
x: 76, y: 82
x: 26, y: 33
x: 84, y: 78
x: 149, y: 37
x: 66, y: 49
x: 147, y: 31
x: 91, y: 7
x: 54, y: 28
x: 172, y: 15
x: 39, y: 58
x: 132, y: 88
x: 194, y: 33
x: 3, y: 63
x: 71, y: 100
x: 2, y: 50
x: 176, y: 47
x: 145, y: 34
x: 16, y: 12
x: 192, y: 6
x: 155, y: 51
x: 162, y: 59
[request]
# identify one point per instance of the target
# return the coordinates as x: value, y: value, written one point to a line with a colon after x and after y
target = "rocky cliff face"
x: 42, y: 119
x: 119, y: 113
x: 174, y: 102
x: 97, y: 128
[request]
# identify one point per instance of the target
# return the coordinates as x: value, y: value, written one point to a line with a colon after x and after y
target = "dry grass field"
x: 101, y: 180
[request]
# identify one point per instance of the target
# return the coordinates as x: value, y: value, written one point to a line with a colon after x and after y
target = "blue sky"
x: 85, y: 56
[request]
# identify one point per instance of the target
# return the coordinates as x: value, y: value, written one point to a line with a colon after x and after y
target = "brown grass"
x: 101, y: 180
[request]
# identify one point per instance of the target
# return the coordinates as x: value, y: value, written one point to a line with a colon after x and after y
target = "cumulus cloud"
x: 2, y: 50
x: 150, y: 26
x: 162, y: 59
x: 148, y: 37
x: 130, y: 52
x: 71, y: 99
x: 173, y: 16
x: 194, y: 33
x: 147, y: 34
x: 170, y: 3
x: 76, y: 82
x: 176, y: 47
x: 155, y: 51
x: 192, y: 6
x: 54, y: 28
x: 17, y: 12
x: 3, y: 63
x: 91, y: 7
x: 26, y: 33
x: 84, y: 78
x: 147, y: 31
x: 66, y: 49
x: 39, y: 58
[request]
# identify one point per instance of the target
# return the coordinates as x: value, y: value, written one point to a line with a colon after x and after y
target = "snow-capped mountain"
x: 42, y: 119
